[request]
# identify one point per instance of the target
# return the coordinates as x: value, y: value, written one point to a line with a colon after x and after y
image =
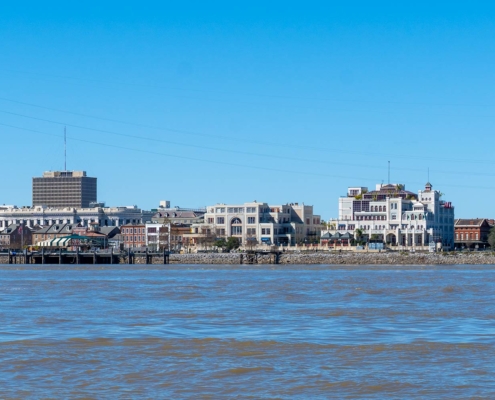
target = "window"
x: 251, y: 220
x: 210, y: 220
x: 236, y: 230
x: 220, y: 220
x: 251, y: 231
x: 477, y: 237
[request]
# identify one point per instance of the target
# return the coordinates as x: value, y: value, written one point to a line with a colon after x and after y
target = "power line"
x: 228, y: 163
x: 221, y: 137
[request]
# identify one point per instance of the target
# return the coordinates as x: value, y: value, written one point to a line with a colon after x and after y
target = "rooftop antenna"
x: 389, y: 172
x: 65, y: 148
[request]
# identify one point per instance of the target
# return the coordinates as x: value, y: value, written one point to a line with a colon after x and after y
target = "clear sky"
x: 206, y: 102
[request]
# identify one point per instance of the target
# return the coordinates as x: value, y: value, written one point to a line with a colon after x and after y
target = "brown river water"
x: 197, y: 331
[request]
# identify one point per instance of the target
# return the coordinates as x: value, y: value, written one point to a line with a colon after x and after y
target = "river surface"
x: 247, y: 332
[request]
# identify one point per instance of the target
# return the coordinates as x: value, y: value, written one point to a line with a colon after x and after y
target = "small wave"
x: 247, y: 370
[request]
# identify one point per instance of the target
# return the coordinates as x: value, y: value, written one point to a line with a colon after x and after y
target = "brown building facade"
x: 15, y: 236
x: 133, y: 235
x: 471, y: 233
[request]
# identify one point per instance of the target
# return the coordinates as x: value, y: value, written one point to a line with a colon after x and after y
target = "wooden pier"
x: 87, y: 257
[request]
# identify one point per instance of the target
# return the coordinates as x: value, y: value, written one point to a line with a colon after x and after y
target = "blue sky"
x: 202, y: 103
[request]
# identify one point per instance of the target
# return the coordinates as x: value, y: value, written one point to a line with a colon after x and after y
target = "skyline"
x: 206, y: 104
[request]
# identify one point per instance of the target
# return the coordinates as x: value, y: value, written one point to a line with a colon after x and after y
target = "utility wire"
x: 226, y: 163
x: 218, y: 137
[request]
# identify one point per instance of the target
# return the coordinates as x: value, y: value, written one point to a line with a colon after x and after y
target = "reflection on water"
x: 264, y: 331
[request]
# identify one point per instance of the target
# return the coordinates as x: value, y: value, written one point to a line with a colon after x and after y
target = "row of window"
x: 136, y: 238
x: 468, y: 237
x: 380, y: 227
x: 379, y: 208
x: 133, y: 230
x: 240, y: 210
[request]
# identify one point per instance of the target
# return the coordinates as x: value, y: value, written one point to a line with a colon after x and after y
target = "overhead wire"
x: 222, y: 162
x: 237, y: 139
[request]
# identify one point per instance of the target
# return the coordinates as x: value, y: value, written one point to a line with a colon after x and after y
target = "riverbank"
x: 332, y: 258
x: 388, y: 258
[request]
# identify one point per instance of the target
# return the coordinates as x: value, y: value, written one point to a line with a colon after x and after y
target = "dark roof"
x: 177, y: 214
x: 110, y: 231
x: 9, y: 229
x: 470, y: 222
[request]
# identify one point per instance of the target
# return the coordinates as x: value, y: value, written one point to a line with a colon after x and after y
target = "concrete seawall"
x: 389, y: 258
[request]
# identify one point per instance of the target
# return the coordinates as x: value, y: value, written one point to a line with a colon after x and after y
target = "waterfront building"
x: 47, y: 216
x: 203, y: 235
x: 393, y: 215
x: 53, y: 231
x: 157, y: 236
x: 64, y: 189
x: 284, y: 224
x: 178, y: 215
x: 133, y: 235
x: 472, y: 233
x: 56, y: 231
x: 15, y: 236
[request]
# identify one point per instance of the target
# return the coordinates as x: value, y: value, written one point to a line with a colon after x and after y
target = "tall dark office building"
x: 64, y: 189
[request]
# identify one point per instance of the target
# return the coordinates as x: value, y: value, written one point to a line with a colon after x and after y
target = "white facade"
x: 286, y: 224
x: 396, y: 216
x: 157, y: 236
x: 42, y: 216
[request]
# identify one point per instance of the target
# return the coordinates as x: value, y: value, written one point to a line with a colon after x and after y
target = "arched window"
x: 384, y: 208
x: 380, y: 208
x: 236, y: 227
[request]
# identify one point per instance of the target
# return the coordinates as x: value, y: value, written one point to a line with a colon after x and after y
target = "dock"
x: 86, y: 257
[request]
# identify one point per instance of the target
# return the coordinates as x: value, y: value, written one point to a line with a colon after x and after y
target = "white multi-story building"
x: 396, y: 216
x: 157, y: 235
x: 285, y: 224
x: 43, y: 216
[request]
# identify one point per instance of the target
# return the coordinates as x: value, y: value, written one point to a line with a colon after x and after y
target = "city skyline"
x: 231, y: 104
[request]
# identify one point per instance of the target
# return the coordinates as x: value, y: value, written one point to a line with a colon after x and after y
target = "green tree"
x: 232, y: 243
x: 491, y: 238
x: 359, y: 235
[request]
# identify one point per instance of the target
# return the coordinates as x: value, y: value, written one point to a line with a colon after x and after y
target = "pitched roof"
x: 470, y: 222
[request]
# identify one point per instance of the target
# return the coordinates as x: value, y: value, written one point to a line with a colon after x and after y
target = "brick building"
x: 15, y: 236
x: 472, y: 233
x: 133, y: 235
